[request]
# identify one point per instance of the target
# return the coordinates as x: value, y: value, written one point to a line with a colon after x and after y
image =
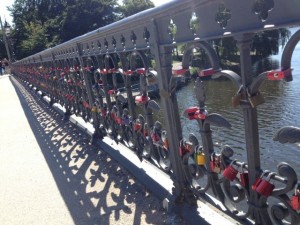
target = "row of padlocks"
x: 204, y: 168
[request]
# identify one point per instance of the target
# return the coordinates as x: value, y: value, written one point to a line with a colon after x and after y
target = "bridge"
x: 79, y: 78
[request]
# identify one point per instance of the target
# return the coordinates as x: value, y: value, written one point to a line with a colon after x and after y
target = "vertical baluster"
x: 163, y: 58
x: 257, y: 206
x: 88, y: 86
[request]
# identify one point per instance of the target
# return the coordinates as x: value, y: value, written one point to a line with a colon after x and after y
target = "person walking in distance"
x: 1, y: 68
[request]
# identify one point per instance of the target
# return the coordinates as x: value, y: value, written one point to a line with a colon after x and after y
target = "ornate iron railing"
x: 82, y: 75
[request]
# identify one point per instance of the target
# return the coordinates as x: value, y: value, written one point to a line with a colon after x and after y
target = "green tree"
x: 131, y: 7
x: 57, y: 21
x: 82, y: 16
x: 35, y: 40
x: 2, y: 47
x: 268, y: 42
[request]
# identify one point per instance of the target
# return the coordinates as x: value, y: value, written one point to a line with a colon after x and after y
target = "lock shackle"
x: 242, y: 166
x: 199, y: 149
x: 297, y: 189
x: 233, y: 163
x: 270, y: 176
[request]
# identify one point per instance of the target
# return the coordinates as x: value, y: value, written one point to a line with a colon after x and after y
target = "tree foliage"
x: 268, y: 42
x: 82, y: 16
x: 131, y: 7
x: 40, y: 24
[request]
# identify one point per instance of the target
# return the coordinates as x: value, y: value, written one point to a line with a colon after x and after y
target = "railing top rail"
x: 180, y: 21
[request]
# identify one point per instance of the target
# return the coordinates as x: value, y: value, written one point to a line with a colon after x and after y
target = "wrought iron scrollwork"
x: 223, y: 15
x: 262, y: 8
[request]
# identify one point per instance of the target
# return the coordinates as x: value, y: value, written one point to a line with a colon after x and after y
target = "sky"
x: 5, y: 14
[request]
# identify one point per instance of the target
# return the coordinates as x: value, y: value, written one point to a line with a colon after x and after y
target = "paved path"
x: 50, y: 175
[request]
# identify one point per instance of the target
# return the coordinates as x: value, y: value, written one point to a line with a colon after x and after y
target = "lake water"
x: 281, y: 108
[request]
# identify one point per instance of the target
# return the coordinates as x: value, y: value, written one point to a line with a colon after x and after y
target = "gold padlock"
x: 94, y: 109
x: 199, y: 156
x: 99, y: 110
x: 256, y: 99
x: 236, y: 99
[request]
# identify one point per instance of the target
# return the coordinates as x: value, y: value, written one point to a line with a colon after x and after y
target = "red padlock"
x: 137, y: 126
x: 181, y: 148
x: 215, y: 163
x: 258, y: 180
x: 190, y: 112
x: 111, y: 92
x: 207, y: 72
x: 230, y: 172
x: 119, y: 121
x: 177, y: 72
x: 155, y: 137
x: 279, y: 74
x: 141, y: 99
x: 244, y: 176
x: 266, y: 188
x: 140, y: 71
x: 127, y: 72
x: 103, y: 113
x: 295, y: 201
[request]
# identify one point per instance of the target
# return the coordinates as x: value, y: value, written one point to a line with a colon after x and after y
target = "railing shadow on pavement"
x: 95, y: 189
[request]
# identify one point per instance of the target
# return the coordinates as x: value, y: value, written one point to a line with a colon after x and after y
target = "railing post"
x: 163, y: 58
x: 88, y: 86
x: 257, y: 207
x: 67, y: 113
x: 127, y: 81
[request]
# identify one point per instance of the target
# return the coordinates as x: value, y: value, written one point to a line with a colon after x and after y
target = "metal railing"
x: 82, y: 75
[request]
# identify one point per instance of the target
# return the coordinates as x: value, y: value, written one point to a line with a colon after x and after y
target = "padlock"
x: 264, y: 187
x: 199, y: 156
x: 137, y: 126
x: 94, y: 109
x: 141, y: 99
x: 181, y: 148
x: 230, y: 172
x: 190, y: 113
x: 236, y: 99
x: 215, y: 163
x: 165, y: 139
x: 295, y: 201
x: 244, y: 176
x: 111, y: 92
x: 184, y: 147
x: 119, y: 121
x: 279, y: 74
x: 256, y: 99
x: 104, y: 112
x: 259, y: 180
